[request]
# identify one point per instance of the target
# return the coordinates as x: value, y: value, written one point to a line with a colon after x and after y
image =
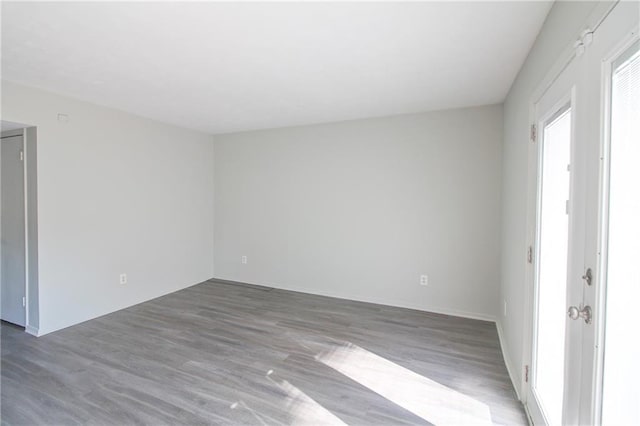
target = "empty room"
x: 319, y: 213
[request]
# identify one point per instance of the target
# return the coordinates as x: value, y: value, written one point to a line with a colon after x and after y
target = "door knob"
x: 582, y: 312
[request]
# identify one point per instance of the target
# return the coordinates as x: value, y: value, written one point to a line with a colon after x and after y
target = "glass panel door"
x: 583, y: 367
x: 620, y: 398
x: 553, y: 250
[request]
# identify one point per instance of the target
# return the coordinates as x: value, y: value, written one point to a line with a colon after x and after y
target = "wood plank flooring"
x: 221, y: 353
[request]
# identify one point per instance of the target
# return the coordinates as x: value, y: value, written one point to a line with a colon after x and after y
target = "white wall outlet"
x: 244, y: 260
x: 123, y: 278
x: 505, y: 308
x: 424, y: 280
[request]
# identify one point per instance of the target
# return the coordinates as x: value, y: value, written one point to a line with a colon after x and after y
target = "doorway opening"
x: 18, y: 226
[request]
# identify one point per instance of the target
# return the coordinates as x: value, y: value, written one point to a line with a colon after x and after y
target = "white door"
x: 583, y: 354
x: 617, y: 372
x: 610, y: 350
x: 556, y: 255
x: 13, y: 231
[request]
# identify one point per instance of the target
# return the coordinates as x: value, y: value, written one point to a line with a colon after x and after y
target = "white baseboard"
x: 32, y: 330
x: 433, y: 310
x: 507, y: 360
x: 528, y: 413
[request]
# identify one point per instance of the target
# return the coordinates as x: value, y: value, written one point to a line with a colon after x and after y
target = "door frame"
x: 29, y: 168
x: 599, y: 13
x: 597, y: 16
x: 22, y: 134
x: 542, y: 118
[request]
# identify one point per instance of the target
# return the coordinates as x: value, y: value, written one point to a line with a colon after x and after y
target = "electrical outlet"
x: 424, y: 280
x: 244, y: 260
x: 505, y: 308
x: 123, y: 278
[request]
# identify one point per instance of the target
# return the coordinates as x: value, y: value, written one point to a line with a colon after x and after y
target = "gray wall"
x: 360, y: 209
x: 116, y: 194
x: 564, y: 23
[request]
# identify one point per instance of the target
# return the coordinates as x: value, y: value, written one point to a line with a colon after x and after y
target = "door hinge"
x: 534, y: 133
x: 526, y: 374
x: 21, y: 155
x: 530, y: 254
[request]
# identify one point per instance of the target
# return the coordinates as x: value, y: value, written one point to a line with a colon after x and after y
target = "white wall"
x: 360, y: 209
x: 116, y: 193
x: 564, y: 23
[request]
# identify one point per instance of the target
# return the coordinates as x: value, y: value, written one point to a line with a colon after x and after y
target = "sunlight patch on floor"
x: 423, y: 397
x: 243, y: 405
x: 303, y: 409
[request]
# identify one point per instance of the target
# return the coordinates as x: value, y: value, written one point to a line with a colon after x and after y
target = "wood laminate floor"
x: 221, y: 353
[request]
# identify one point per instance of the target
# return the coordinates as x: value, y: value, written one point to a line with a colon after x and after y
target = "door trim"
x: 29, y: 148
x: 11, y: 134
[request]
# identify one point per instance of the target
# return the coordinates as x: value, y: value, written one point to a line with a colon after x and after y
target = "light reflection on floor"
x: 302, y: 408
x: 423, y: 397
x: 243, y: 405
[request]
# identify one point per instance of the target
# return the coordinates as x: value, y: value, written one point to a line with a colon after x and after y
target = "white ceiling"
x: 226, y: 67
